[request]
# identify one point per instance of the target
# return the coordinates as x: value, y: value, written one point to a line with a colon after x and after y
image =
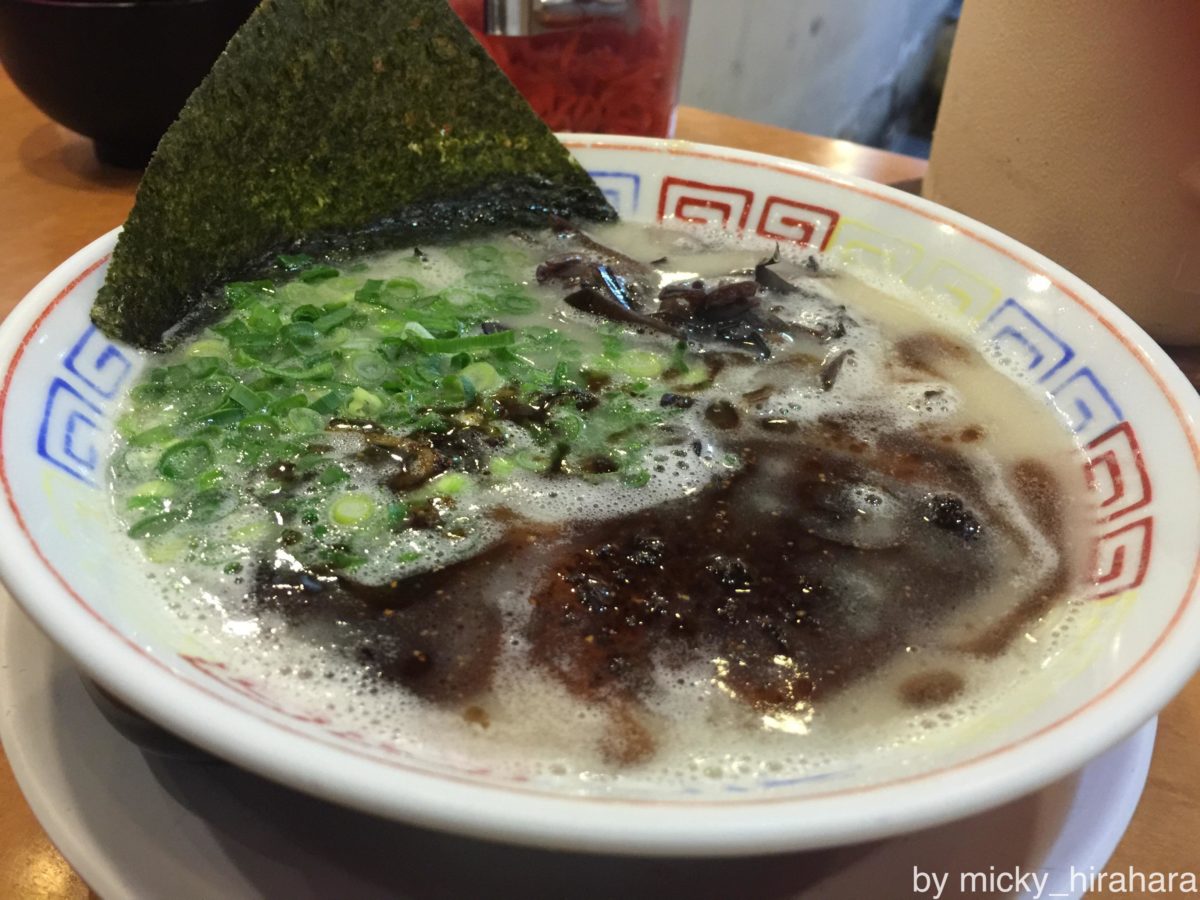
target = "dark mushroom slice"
x: 770, y: 279
x: 832, y: 368
x: 602, y: 303
x: 728, y: 312
x: 640, y: 276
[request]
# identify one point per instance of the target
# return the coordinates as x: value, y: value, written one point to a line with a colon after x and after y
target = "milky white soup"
x: 607, y: 506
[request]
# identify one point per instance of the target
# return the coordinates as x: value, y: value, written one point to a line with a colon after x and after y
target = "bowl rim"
x: 668, y: 826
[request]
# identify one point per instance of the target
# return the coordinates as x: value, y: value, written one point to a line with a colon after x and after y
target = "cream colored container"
x: 1074, y: 126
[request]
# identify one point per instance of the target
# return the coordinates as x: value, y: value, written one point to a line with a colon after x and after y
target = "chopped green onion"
x: 483, y: 377
x: 640, y: 363
x: 449, y: 484
x: 164, y: 548
x: 489, y: 280
x: 500, y: 467
x: 294, y: 262
x: 529, y: 460
x: 363, y: 403
x: 306, y: 312
x: 281, y: 406
x: 322, y: 369
x: 466, y: 342
x: 151, y: 437
x: 352, y: 509
x: 308, y: 461
x: 562, y: 372
x: 329, y: 402
x: 157, y: 488
x: 405, y: 288
x: 259, y: 426
x: 458, y: 297
x: 331, y: 320
x: 302, y: 420
x: 416, y: 328
x: 694, y: 373
x: 485, y: 254
x: 159, y: 504
x: 458, y: 385
x: 514, y: 303
x: 211, y: 478
x: 319, y: 272
x: 201, y: 367
x: 210, y: 505
x: 302, y: 335
x: 155, y: 494
x: 208, y: 347
x: 263, y: 319
x: 252, y: 532
x: 397, y: 513
x: 231, y: 330
x: 568, y: 424
x: 243, y: 293
x: 612, y: 346
x: 223, y: 417
x: 679, y: 358
x: 637, y: 478
x: 246, y: 398
x: 159, y: 523
x: 341, y: 559
x: 332, y: 474
x: 368, y: 366
x: 371, y: 292
x: 184, y: 460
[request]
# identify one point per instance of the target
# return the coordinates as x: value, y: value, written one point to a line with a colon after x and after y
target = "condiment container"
x: 609, y: 66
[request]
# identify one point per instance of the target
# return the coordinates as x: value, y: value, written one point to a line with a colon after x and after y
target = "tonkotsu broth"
x: 584, y: 549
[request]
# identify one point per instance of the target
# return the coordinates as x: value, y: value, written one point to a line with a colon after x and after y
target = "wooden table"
x: 55, y: 197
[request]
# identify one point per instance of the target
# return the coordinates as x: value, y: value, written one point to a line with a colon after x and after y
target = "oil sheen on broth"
x: 633, y: 501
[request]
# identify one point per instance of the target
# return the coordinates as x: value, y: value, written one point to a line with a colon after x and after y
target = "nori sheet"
x: 331, y: 127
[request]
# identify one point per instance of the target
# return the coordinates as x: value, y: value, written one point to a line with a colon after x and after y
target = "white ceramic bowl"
x: 1130, y: 407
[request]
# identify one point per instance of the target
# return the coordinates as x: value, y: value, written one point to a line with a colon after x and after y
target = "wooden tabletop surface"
x: 55, y: 197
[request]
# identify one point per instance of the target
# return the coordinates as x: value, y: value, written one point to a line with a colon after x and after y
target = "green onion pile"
x: 235, y: 443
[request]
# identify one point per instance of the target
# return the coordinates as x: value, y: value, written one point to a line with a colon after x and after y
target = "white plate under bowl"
x: 1133, y: 413
x: 135, y: 825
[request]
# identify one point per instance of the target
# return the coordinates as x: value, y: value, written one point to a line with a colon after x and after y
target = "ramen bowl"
x: 1130, y: 649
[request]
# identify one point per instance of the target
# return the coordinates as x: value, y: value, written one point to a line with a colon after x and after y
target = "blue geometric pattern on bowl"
x: 71, y: 432
x: 1081, y: 398
x: 98, y: 363
x: 1019, y: 333
x: 623, y: 189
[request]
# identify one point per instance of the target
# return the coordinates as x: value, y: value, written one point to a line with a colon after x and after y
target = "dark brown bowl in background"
x: 117, y: 71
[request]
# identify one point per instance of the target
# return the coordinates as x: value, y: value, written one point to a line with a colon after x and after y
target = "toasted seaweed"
x: 329, y: 128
